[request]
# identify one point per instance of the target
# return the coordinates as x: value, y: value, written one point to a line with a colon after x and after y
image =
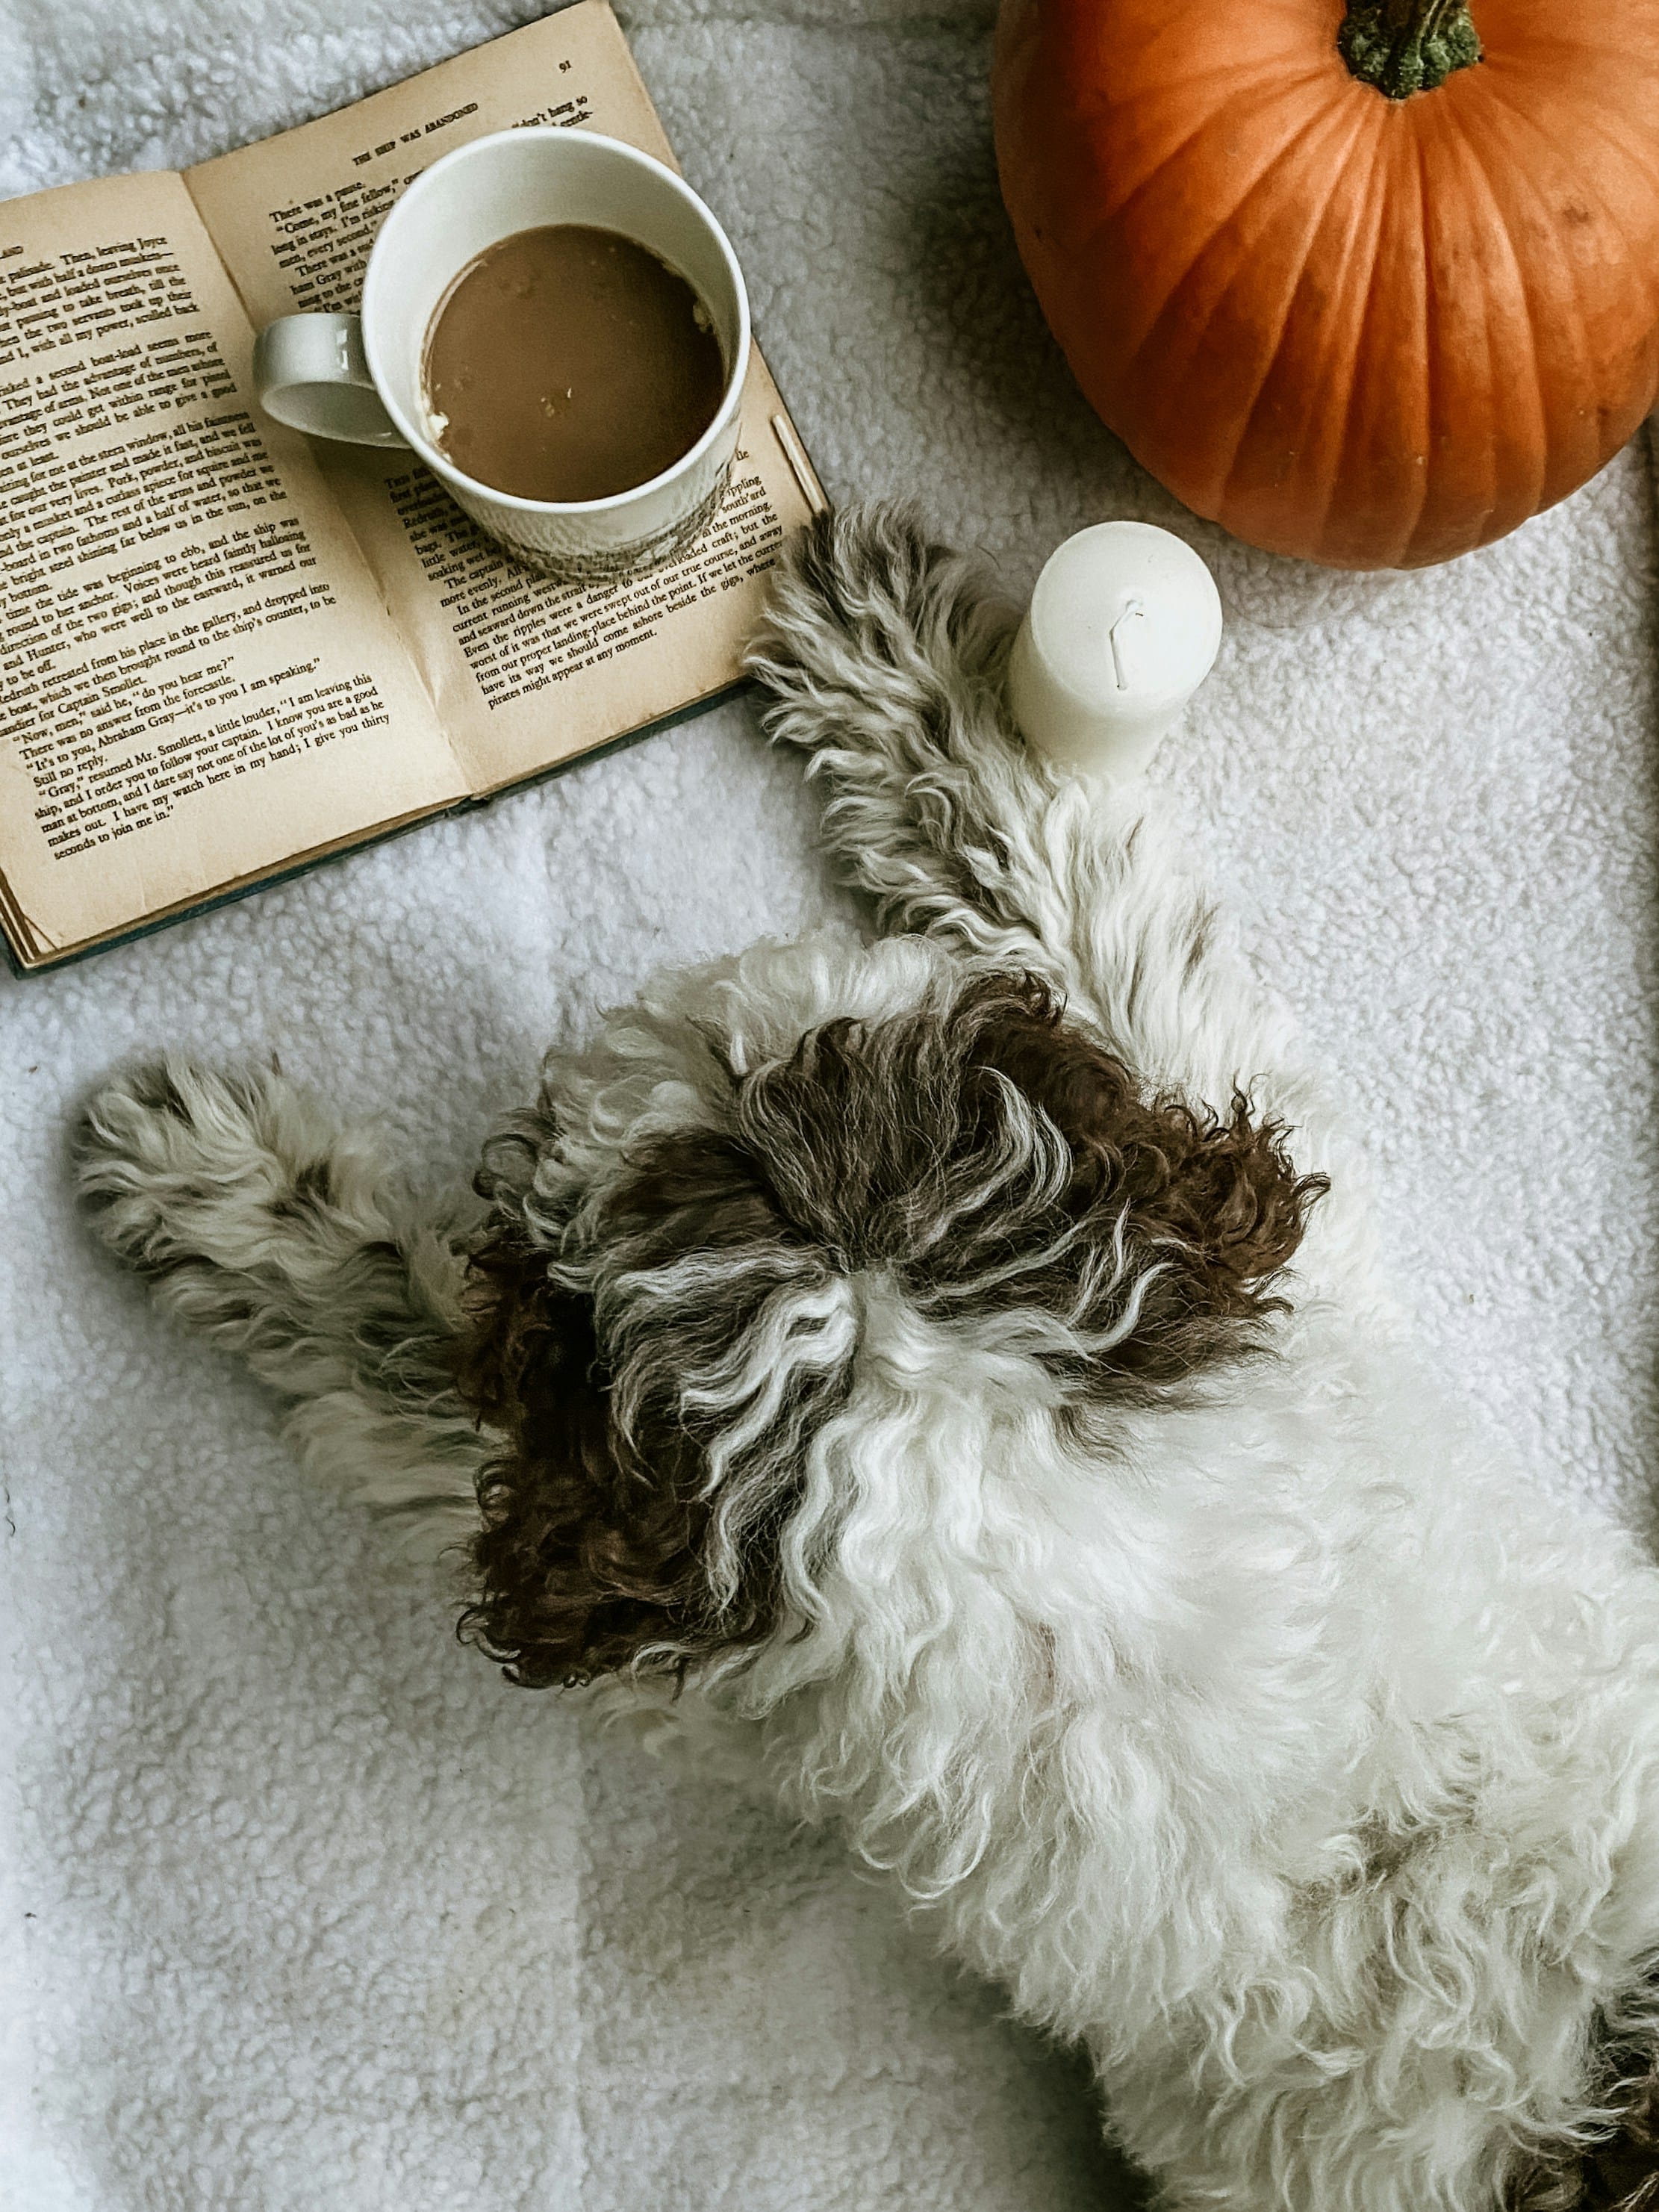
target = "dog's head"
x: 751, y: 1227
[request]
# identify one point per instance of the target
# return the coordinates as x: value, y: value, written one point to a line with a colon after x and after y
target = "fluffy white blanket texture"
x: 301, y: 1908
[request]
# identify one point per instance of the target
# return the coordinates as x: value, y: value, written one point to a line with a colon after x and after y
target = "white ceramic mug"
x: 360, y: 377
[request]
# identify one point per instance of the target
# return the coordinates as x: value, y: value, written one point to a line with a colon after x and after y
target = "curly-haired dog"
x: 950, y: 1372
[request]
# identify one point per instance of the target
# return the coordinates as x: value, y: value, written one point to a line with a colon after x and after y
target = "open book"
x: 226, y: 652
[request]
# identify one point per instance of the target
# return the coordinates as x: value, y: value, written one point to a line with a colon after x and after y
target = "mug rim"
x: 738, y: 376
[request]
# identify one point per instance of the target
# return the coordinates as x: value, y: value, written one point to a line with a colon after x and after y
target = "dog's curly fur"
x: 952, y: 1373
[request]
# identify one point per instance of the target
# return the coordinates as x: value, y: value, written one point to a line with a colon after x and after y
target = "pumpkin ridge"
x: 1358, y: 253
x: 1642, y: 256
x: 1545, y: 48
x: 1433, y: 382
x: 1352, y: 119
x: 1273, y: 86
x: 1566, y: 269
x: 1581, y: 113
x: 1438, y: 383
x: 1394, y: 196
x: 1318, y: 212
x: 1589, y: 117
x: 1266, y: 178
x: 1225, y: 71
x: 1503, y: 402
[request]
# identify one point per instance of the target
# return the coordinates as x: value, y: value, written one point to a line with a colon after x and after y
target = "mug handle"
x: 311, y: 372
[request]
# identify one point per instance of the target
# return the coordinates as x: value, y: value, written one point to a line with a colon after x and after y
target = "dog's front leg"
x: 282, y: 1239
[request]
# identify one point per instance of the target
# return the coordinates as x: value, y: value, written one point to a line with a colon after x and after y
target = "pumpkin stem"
x: 1403, y: 46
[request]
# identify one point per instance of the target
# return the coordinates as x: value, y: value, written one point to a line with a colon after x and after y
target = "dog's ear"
x: 585, y: 1558
x: 1209, y: 1208
x: 633, y: 1514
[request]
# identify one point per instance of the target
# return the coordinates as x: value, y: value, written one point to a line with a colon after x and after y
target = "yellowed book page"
x: 198, y: 680
x: 45, y: 956
x: 525, y: 673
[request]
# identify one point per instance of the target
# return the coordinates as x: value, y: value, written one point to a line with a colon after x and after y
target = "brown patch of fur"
x: 589, y: 1553
x: 1213, y: 1204
x: 881, y: 1145
x: 1620, y: 2173
x: 584, y: 1556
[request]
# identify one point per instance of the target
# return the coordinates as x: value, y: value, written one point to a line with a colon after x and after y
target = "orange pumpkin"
x: 1368, y: 286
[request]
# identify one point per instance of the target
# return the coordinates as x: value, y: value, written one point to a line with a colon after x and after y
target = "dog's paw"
x: 176, y: 1163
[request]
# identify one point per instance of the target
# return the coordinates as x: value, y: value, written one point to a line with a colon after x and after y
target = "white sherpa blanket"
x: 301, y: 1910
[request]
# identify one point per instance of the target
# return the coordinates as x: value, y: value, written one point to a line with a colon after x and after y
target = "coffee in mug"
x: 365, y: 379
x: 567, y: 362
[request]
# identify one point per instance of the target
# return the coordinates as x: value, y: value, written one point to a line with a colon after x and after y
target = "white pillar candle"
x: 1124, y: 627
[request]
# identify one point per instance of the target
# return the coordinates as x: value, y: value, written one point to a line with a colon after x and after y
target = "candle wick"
x: 1131, y: 607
